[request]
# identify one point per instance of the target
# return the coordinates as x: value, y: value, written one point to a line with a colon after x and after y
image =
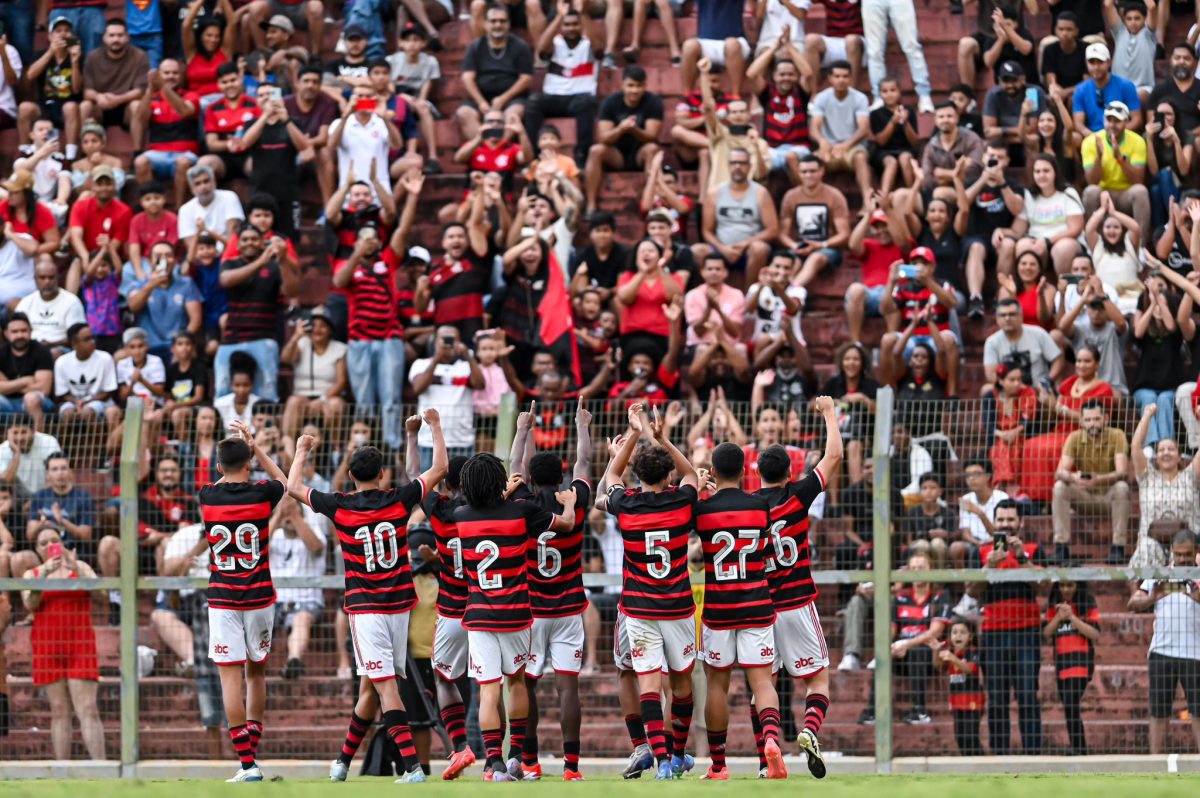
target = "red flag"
x: 556, y: 322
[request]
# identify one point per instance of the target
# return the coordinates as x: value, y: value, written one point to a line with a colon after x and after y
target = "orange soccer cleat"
x: 775, y: 767
x: 459, y: 761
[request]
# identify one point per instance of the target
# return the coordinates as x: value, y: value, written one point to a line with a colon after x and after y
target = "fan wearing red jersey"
x: 555, y: 586
x: 372, y: 528
x: 800, y: 643
x: 736, y: 623
x: 496, y: 535
x: 656, y: 597
x: 241, y: 597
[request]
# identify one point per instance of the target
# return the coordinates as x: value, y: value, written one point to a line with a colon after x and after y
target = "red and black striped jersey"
x: 843, y: 18
x: 655, y: 528
x: 789, y: 567
x: 1011, y: 605
x: 966, y: 689
x: 556, y: 558
x: 458, y: 289
x: 1074, y: 655
x: 237, y: 519
x: 733, y: 530
x: 372, y: 528
x: 374, y: 306
x: 452, y: 579
x: 495, y: 545
x: 912, y: 297
x: 912, y: 617
x: 785, y: 116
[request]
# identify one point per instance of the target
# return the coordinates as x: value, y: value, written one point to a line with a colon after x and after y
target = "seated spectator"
x: 774, y: 302
x: 208, y: 40
x: 143, y: 375
x: 1167, y: 492
x: 62, y: 506
x: 644, y: 291
x: 839, y: 124
x: 1063, y: 64
x: 1102, y: 88
x: 150, y: 226
x: 363, y: 135
x: 995, y: 201
x: 415, y: 73
x: 1009, y: 112
x: 962, y: 97
x: 26, y: 372
x: 715, y: 296
x: 1102, y: 328
x: 43, y: 156
x: 225, y: 122
x: 784, y: 97
x: 627, y: 131
x: 1016, y: 343
x: 930, y: 526
x: 1052, y: 217
x: 238, y: 405
x: 92, y: 142
x: 527, y: 14
x: 58, y: 75
x: 211, y: 211
x: 1134, y: 43
x: 499, y: 147
x: 64, y: 647
x: 1172, y: 652
x: 52, y: 310
x: 166, y: 302
x: 497, y: 73
x: 205, y: 271
x: 85, y: 380
x: 879, y: 253
x: 665, y: 10
x: 30, y: 231
x: 1002, y: 40
x: 571, y: 80
x: 1180, y: 89
x: 854, y: 390
x: 1159, y: 343
x: 1091, y: 475
x: 949, y: 145
x: 319, y: 381
x: 1033, y: 289
x: 254, y: 308
x: 445, y: 381
x: 814, y: 222
x: 169, y: 115
x: 922, y: 299
x: 1114, y: 239
x: 1052, y: 133
x: 1168, y: 160
x: 100, y: 221
x: 977, y: 513
x: 313, y: 112
x: 1016, y: 408
x: 739, y: 217
x: 298, y: 543
x: 734, y: 132
x: 784, y: 373
x: 894, y: 139
x: 721, y: 39
x: 276, y: 58
x: 843, y: 39
x: 261, y: 212
x: 114, y: 80
x: 1114, y: 162
x: 23, y: 457
x: 349, y: 72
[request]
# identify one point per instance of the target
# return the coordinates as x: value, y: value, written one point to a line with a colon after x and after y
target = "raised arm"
x: 583, y: 447
x: 832, y: 460
x: 264, y: 460
x: 617, y: 464
x: 295, y: 480
x: 441, y: 459
x: 682, y: 464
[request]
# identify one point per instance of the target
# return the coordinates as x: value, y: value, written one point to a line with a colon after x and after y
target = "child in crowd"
x: 205, y: 270
x: 550, y: 161
x: 238, y: 405
x: 595, y: 341
x: 488, y: 345
x: 960, y: 661
x: 147, y: 228
x: 414, y: 72
x: 1073, y: 628
x: 100, y: 288
x: 186, y: 386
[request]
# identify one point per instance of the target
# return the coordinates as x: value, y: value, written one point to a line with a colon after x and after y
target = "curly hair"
x: 483, y: 479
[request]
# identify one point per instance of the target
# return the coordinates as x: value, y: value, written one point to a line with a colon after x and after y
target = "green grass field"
x: 1144, y: 786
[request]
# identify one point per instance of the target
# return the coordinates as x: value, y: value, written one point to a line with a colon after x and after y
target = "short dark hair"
x: 120, y: 23
x: 21, y: 419
x: 310, y: 69
x: 494, y: 6
x: 841, y: 64
x: 929, y: 476
x: 944, y: 104
x: 962, y: 88
x: 1093, y: 404
x: 997, y: 144
x: 978, y: 462
x: 233, y: 454
x: 545, y: 470
x: 635, y: 73
x: 183, y: 335
x: 774, y: 464
x: 16, y: 316
x: 379, y: 63
x: 728, y: 460
x: 1007, y: 302
x: 550, y: 130
x: 812, y: 157
x: 228, y: 68
x: 455, y: 471
x: 1184, y: 537
x: 75, y: 329
x: 1181, y: 45
x: 366, y: 464
x: 150, y: 187
x: 261, y: 201
x: 602, y: 219
x: 714, y: 255
x: 782, y: 253
x: 1133, y: 5
x: 1067, y: 16
x: 652, y: 464
x: 1006, y: 504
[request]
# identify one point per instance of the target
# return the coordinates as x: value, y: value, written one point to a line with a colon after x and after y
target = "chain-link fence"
x: 1022, y: 615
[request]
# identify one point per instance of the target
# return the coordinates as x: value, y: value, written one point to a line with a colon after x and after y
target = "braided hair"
x: 483, y: 480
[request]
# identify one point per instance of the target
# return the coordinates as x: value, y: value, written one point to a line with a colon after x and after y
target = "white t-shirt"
x: 51, y: 320
x: 16, y: 271
x: 290, y: 557
x: 1176, y: 622
x: 971, y: 522
x: 776, y: 18
x: 450, y: 394
x: 314, y: 375
x: 361, y: 144
x: 8, y: 100
x: 31, y: 470
x: 81, y: 380
x: 224, y: 405
x: 153, y: 371
x: 180, y: 544
x: 216, y: 214
x: 1047, y: 216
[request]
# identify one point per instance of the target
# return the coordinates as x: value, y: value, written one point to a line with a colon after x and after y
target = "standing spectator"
x: 255, y: 281
x: 114, y: 80
x: 1091, y: 475
x: 459, y: 280
x: 225, y: 122
x: 571, y: 79
x: 739, y: 218
x: 960, y: 660
x: 212, y: 211
x: 497, y: 73
x: 839, y: 124
x: 26, y: 371
x: 298, y: 548
x: 1010, y: 644
x: 64, y: 647
x: 51, y: 310
x: 1134, y: 42
x: 1073, y: 628
x: 814, y: 222
x: 995, y: 201
x: 275, y: 144
x: 627, y: 132
x: 1114, y: 162
x: 313, y: 111
x: 58, y: 75
x: 445, y: 381
x: 784, y: 98
x: 362, y: 136
x: 1093, y: 96
x: 902, y: 16
x: 950, y: 144
x: 720, y: 38
x: 169, y: 114
x: 1167, y: 492
x: 644, y: 292
x: 1175, y: 647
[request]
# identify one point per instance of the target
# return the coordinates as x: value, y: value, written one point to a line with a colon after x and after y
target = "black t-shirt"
x: 253, y: 305
x: 1070, y: 69
x: 948, y: 252
x: 1185, y: 103
x: 602, y: 273
x: 345, y: 68
x: 898, y: 142
x: 614, y: 109
x: 56, y: 81
x: 1088, y: 12
x: 1180, y: 256
x: 181, y: 384
x: 495, y: 74
x: 275, y: 162
x: 973, y: 122
x: 1010, y: 53
x: 989, y: 211
x: 13, y: 366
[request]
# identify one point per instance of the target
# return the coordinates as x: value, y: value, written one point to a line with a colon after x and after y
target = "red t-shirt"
x: 877, y: 261
x: 495, y: 159
x: 43, y: 220
x: 201, y: 72
x: 112, y: 220
x: 169, y: 130
x: 224, y: 119
x: 645, y: 314
x: 146, y: 232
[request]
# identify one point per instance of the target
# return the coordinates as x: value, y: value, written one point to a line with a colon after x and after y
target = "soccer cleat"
x: 775, y: 767
x: 459, y: 761
x: 682, y: 764
x: 762, y: 773
x: 664, y: 771
x: 575, y: 775
x: 414, y: 776
x: 338, y: 771
x: 642, y: 759
x: 246, y: 774
x: 812, y: 749
x: 515, y: 770
x: 497, y: 775
x: 716, y: 774
x: 532, y: 772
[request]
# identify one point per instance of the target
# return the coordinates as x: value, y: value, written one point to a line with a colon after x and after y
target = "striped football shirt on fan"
x: 789, y: 567
x: 556, y: 558
x: 374, y: 306
x: 843, y: 18
x: 655, y: 528
x: 733, y: 528
x: 237, y: 519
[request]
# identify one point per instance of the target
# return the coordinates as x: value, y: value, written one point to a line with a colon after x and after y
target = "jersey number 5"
x: 379, y: 546
x: 655, y: 548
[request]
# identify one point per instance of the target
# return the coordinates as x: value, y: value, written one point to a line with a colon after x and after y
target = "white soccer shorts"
x: 749, y: 648
x: 621, y: 657
x: 449, y: 648
x: 380, y: 644
x: 240, y: 635
x: 558, y: 643
x: 658, y: 645
x: 799, y: 642
x: 495, y: 655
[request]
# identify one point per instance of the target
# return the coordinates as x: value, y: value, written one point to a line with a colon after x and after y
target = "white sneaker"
x: 925, y: 105
x: 338, y: 771
x: 244, y: 774
x: 850, y: 662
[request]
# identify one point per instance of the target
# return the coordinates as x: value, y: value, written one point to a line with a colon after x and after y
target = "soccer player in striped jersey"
x: 372, y: 527
x: 656, y: 597
x: 496, y: 535
x: 738, y: 614
x: 241, y: 597
x: 555, y: 587
x: 800, y: 644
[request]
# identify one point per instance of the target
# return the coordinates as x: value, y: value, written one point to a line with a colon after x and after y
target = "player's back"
x: 372, y: 528
x: 655, y: 528
x: 789, y: 566
x: 555, y: 559
x: 237, y: 518
x: 452, y: 578
x: 733, y: 525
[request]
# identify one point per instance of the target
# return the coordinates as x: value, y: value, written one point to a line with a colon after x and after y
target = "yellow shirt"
x: 1113, y: 176
x: 423, y: 617
x: 697, y: 578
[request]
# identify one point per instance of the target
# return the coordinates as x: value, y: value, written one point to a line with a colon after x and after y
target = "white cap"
x: 1097, y: 51
x: 420, y: 253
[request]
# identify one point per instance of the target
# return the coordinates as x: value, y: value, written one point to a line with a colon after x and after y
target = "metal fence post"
x: 881, y: 558
x: 506, y: 425
x: 131, y: 445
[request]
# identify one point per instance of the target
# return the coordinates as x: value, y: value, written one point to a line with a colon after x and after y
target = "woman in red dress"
x: 1015, y: 409
x: 64, y: 647
x: 1043, y: 452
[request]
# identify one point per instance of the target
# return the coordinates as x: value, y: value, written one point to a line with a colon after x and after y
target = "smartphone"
x: 1031, y: 95
x: 1085, y: 475
x: 992, y: 163
x: 54, y: 550
x: 1073, y: 279
x: 72, y: 41
x: 365, y: 104
x: 1000, y: 541
x: 274, y: 93
x: 448, y: 340
x: 739, y: 130
x: 909, y: 271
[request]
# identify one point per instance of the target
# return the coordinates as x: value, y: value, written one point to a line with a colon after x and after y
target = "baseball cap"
x: 319, y: 312
x: 420, y: 253
x: 1097, y: 51
x: 279, y: 21
x: 922, y: 253
x: 413, y: 29
x: 61, y: 20
x: 355, y: 31
x: 878, y: 217
x: 659, y: 215
x: 1117, y: 110
x: 103, y: 172
x: 21, y: 180
x: 1011, y: 70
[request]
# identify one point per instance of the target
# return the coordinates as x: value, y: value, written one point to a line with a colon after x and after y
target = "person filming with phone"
x: 165, y: 302
x: 445, y: 382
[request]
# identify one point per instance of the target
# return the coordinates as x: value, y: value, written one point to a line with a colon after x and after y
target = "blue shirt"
x: 1091, y: 99
x: 78, y: 507
x: 216, y: 302
x: 719, y: 19
x: 166, y: 313
x: 143, y: 18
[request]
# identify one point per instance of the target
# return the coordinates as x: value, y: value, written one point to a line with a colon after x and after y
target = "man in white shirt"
x: 23, y: 454
x: 977, y: 510
x: 211, y: 210
x: 51, y: 310
x: 297, y: 549
x: 569, y: 88
x: 445, y: 382
x: 363, y: 136
x: 85, y: 380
